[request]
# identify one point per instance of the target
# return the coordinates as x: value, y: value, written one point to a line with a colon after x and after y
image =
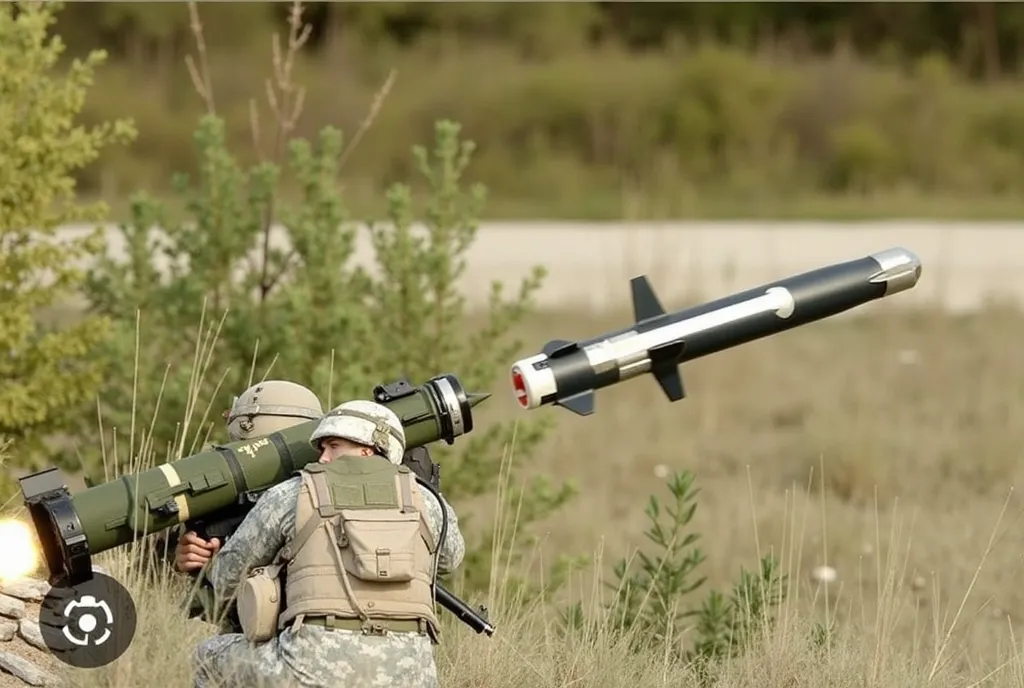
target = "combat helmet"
x: 367, y: 423
x: 270, y: 406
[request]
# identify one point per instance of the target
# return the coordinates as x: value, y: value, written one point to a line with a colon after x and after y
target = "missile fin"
x: 670, y: 381
x: 558, y: 347
x: 666, y: 371
x: 581, y: 404
x: 645, y: 302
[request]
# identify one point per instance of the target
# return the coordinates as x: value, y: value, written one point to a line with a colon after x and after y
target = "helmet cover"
x: 367, y: 423
x: 270, y: 406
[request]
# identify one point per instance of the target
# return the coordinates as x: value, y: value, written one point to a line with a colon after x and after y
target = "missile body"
x: 567, y: 373
x: 73, y: 528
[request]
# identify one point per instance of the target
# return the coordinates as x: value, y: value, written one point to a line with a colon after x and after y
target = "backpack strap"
x: 345, y: 582
x: 319, y: 492
x: 405, y: 484
x: 405, y: 481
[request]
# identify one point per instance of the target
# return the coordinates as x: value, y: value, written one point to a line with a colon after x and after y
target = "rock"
x: 11, y: 607
x: 29, y: 630
x: 26, y: 589
x: 23, y: 669
x: 7, y: 629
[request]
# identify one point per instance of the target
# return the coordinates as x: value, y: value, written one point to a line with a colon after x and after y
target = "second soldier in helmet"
x: 264, y: 408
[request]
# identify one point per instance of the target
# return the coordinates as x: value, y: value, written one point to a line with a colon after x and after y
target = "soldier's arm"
x: 263, y: 532
x: 452, y: 551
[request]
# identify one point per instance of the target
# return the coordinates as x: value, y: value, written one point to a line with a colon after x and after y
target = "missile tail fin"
x: 670, y: 381
x: 645, y: 302
x: 558, y: 347
x: 581, y: 404
x: 665, y: 369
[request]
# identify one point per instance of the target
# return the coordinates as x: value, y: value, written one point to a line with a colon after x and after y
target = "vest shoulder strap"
x: 405, y: 483
x: 317, y: 487
x: 406, y: 479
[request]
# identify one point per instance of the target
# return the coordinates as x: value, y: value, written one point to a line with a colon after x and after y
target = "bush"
x: 647, y: 609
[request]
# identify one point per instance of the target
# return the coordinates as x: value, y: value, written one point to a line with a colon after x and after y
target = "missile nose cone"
x: 899, y: 269
x: 475, y: 398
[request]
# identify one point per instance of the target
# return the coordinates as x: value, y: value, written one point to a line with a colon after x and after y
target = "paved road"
x: 589, y: 264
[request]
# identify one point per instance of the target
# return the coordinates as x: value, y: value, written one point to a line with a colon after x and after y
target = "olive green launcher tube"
x: 115, y: 513
x: 118, y: 512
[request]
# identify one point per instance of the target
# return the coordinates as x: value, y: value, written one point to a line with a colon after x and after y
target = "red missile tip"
x: 520, y: 386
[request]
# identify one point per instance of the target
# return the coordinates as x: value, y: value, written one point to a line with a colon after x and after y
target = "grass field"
x: 887, y: 447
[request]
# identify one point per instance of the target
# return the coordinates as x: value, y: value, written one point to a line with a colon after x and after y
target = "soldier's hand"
x: 193, y: 552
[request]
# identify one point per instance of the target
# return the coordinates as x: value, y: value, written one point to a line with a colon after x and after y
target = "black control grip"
x: 477, y: 620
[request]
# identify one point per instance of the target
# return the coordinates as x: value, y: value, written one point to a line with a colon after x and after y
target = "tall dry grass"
x: 886, y: 447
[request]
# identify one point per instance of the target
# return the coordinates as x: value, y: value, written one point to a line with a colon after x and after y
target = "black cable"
x: 466, y: 614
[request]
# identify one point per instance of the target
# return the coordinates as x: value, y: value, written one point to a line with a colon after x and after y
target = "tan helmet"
x: 271, y: 406
x: 367, y: 423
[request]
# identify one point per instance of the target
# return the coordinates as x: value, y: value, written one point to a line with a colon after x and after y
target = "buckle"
x: 374, y: 628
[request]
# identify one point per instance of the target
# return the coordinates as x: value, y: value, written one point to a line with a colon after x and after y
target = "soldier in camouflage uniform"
x: 318, y: 643
x: 266, y: 407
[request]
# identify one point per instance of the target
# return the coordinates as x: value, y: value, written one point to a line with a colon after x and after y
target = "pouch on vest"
x: 376, y: 523
x: 379, y: 545
x: 378, y: 532
x: 259, y: 603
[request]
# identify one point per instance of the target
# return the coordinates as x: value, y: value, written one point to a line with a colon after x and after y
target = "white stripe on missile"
x: 629, y: 351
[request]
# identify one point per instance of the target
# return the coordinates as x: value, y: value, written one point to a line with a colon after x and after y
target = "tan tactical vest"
x: 363, y: 549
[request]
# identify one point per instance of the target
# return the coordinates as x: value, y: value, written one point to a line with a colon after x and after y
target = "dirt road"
x: 589, y: 264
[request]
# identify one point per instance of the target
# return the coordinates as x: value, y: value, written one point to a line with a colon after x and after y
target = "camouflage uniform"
x: 313, y: 655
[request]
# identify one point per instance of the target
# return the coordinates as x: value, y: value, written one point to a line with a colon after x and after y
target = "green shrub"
x: 649, y: 602
x: 47, y: 370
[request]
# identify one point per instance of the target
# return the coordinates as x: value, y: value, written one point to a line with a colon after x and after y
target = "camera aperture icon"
x: 87, y: 621
x: 90, y: 624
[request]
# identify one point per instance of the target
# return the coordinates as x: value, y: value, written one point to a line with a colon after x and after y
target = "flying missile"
x: 567, y: 373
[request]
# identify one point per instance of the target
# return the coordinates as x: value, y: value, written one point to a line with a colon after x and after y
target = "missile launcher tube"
x: 73, y: 528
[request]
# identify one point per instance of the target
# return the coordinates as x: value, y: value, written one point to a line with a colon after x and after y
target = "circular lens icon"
x: 90, y: 624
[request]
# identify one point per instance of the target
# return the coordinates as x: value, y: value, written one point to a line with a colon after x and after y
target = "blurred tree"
x: 46, y: 373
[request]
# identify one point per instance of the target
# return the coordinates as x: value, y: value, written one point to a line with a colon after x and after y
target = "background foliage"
x: 44, y: 372
x: 604, y: 110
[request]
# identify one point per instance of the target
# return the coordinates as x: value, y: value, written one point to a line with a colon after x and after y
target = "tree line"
x: 984, y: 39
